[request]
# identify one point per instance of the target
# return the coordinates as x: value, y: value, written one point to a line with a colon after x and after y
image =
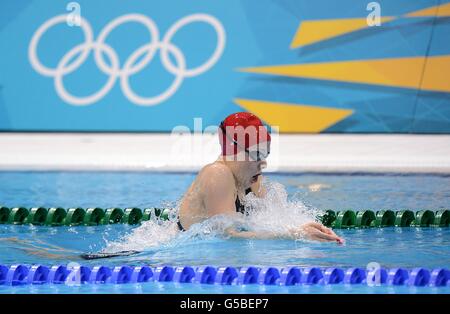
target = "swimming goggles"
x: 254, y: 155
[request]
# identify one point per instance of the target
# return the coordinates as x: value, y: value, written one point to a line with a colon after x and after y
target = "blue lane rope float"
x: 344, y: 219
x: 20, y: 274
x: 184, y: 274
x: 227, y: 276
x: 57, y: 274
x: 333, y: 275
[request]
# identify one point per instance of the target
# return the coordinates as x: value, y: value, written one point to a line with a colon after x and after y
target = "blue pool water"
x: 162, y: 245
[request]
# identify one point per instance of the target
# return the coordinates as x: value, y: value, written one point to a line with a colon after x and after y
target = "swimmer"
x: 221, y: 185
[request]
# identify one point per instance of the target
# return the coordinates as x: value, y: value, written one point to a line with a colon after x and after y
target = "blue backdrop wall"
x: 305, y: 66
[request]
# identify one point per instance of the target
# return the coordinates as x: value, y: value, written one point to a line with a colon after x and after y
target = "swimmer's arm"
x: 256, y: 235
x: 219, y: 195
x: 311, y: 230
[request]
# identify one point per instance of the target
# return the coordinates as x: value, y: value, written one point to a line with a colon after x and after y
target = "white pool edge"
x: 325, y: 153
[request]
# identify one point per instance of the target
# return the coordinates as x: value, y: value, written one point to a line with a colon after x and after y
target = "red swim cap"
x: 240, y: 131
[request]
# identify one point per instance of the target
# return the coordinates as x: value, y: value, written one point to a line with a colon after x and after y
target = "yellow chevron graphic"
x: 435, y: 76
x: 310, y: 32
x: 442, y: 10
x: 397, y: 72
x: 294, y: 117
x: 409, y: 72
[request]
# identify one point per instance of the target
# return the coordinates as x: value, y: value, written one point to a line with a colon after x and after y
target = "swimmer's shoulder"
x: 217, y: 172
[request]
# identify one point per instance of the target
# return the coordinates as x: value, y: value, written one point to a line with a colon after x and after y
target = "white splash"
x: 274, y: 213
x: 150, y: 234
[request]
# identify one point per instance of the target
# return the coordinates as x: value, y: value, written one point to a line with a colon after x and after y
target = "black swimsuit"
x: 240, y: 208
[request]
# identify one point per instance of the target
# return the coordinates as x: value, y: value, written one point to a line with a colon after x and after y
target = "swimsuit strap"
x: 180, y: 226
x: 240, y: 208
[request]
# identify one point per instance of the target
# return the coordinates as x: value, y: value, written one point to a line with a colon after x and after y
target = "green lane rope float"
x: 442, y: 218
x: 385, y: 218
x: 18, y: 215
x: 94, y: 216
x: 75, y: 216
x: 344, y: 219
x: 424, y: 218
x: 365, y: 218
x: 147, y: 215
x: 37, y: 216
x: 55, y: 216
x: 4, y: 214
x: 112, y: 216
x: 328, y: 218
x: 132, y: 216
x: 404, y: 218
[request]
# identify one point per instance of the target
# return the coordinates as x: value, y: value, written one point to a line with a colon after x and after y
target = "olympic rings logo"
x: 144, y: 53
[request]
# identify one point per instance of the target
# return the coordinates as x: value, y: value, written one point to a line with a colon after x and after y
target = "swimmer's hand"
x: 317, y: 232
x: 312, y: 230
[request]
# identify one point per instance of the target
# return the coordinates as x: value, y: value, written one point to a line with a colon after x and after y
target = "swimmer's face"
x: 254, y: 170
x: 253, y: 165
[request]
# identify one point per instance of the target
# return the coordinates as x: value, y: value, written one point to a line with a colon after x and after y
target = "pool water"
x: 301, y: 197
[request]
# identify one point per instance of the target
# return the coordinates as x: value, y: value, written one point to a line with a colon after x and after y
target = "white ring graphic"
x: 32, y: 55
x: 183, y: 22
x: 80, y: 101
x: 147, y: 22
x: 163, y: 96
x: 144, y: 54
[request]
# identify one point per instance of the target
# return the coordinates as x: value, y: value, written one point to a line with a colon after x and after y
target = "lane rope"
x: 21, y: 274
x: 77, y: 216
